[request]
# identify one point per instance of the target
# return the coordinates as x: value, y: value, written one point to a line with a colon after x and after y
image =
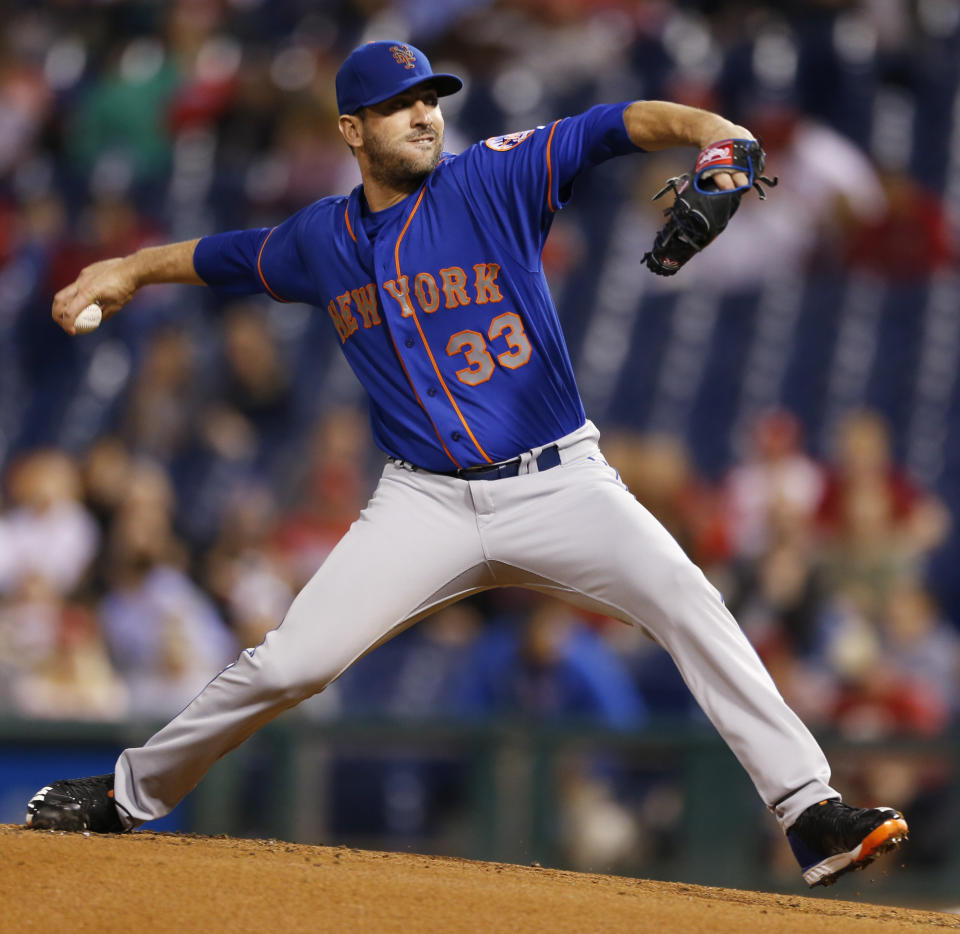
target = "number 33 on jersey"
x: 456, y: 293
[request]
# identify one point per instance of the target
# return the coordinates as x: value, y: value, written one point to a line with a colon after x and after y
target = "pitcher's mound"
x: 56, y: 882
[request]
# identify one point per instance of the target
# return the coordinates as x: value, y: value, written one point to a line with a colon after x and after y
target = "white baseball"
x: 88, y: 320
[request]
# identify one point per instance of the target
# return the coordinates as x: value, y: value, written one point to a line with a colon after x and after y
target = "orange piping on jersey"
x: 550, y: 170
x: 417, y: 397
x: 260, y: 269
x: 436, y: 431
x: 346, y: 217
x: 416, y: 321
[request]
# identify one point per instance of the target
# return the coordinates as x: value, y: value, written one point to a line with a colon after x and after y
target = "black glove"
x: 701, y: 210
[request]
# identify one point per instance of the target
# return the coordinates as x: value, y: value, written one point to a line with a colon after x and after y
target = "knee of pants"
x: 683, y: 592
x: 292, y: 677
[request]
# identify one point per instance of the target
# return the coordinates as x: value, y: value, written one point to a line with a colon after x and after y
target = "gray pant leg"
x: 593, y: 540
x: 415, y: 546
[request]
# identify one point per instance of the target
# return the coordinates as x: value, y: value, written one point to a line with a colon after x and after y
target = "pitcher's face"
x: 402, y: 137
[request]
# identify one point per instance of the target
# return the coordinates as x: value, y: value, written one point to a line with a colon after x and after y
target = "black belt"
x: 547, y: 458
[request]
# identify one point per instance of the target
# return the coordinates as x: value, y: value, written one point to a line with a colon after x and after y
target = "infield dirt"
x: 56, y: 882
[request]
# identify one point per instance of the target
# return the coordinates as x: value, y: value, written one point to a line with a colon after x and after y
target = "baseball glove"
x: 701, y: 210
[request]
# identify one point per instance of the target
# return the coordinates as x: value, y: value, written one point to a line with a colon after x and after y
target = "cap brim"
x: 444, y: 84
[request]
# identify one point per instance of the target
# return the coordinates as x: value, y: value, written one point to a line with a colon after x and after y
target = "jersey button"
x: 456, y: 436
x: 432, y: 391
x: 409, y: 341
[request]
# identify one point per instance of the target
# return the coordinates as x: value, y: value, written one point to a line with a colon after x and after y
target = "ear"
x: 350, y: 130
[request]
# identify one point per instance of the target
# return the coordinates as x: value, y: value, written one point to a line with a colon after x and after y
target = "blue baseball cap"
x: 379, y: 70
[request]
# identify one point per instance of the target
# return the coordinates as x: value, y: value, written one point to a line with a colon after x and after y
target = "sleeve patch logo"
x: 508, y: 141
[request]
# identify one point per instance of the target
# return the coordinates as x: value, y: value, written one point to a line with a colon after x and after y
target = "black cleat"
x: 831, y: 838
x: 76, y: 804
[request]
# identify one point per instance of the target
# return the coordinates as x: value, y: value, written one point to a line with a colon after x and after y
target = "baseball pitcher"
x: 430, y: 272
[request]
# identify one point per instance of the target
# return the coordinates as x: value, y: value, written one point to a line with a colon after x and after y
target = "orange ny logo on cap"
x: 403, y: 56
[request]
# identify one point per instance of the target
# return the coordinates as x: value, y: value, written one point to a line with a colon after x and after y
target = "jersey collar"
x: 353, y: 220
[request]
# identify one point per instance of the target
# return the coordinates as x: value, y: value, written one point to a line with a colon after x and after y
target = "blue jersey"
x: 445, y: 316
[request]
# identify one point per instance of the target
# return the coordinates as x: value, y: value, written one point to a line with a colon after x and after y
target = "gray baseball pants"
x: 425, y: 540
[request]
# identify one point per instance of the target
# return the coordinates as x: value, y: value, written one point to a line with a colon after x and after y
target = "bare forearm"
x: 111, y: 283
x: 654, y: 125
x: 172, y: 262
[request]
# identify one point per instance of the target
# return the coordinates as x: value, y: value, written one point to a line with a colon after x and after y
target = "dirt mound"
x: 176, y: 883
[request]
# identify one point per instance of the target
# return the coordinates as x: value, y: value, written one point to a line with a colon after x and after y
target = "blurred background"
x: 787, y: 407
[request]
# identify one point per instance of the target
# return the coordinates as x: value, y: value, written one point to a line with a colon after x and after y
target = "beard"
x: 401, y: 169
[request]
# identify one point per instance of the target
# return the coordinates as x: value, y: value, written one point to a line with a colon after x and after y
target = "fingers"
x: 69, y: 302
x: 97, y: 284
x: 726, y: 181
x: 62, y: 302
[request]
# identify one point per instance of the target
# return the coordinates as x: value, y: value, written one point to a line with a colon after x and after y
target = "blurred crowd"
x: 110, y: 610
x: 169, y: 483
